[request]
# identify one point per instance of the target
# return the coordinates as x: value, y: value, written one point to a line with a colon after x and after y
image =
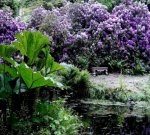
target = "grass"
x: 120, y: 93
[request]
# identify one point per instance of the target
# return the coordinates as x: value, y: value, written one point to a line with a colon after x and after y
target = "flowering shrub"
x: 86, y: 34
x: 70, y: 28
x: 8, y: 27
x: 37, y: 17
x: 134, y: 35
x: 126, y: 38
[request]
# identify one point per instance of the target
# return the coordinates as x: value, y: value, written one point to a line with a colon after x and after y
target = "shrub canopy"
x: 86, y: 34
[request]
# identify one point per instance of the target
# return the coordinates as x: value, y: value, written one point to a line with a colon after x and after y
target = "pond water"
x: 107, y: 118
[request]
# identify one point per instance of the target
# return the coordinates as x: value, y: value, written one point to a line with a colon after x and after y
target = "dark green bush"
x: 75, y: 81
x: 49, y: 4
x: 49, y: 118
x: 110, y: 3
x: 54, y: 119
x: 27, y: 3
x: 12, y: 4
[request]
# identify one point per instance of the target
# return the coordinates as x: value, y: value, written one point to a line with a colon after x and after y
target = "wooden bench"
x: 99, y: 70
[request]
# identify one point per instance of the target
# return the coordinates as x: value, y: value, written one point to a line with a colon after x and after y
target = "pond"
x: 110, y: 118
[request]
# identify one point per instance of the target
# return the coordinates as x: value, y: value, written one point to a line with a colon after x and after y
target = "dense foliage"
x: 83, y: 34
x: 10, y: 5
x: 88, y: 35
x: 9, y: 26
x: 49, y: 118
x: 48, y: 4
x: 21, y: 78
x: 53, y: 118
x: 76, y: 83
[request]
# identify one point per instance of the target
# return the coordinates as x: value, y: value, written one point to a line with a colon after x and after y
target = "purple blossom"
x: 9, y: 26
x: 99, y: 45
x: 37, y: 17
x: 1, y: 61
x: 121, y: 35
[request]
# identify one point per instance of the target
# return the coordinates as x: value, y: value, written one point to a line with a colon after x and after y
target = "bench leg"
x: 94, y: 73
x: 106, y: 72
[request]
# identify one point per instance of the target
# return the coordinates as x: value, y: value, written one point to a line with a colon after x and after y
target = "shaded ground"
x: 133, y: 83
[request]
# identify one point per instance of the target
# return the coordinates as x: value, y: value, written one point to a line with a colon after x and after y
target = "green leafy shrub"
x: 23, y: 78
x: 33, y: 69
x: 110, y: 3
x: 49, y: 4
x: 49, y: 118
x: 28, y: 3
x: 10, y: 5
x: 53, y: 118
x: 75, y: 81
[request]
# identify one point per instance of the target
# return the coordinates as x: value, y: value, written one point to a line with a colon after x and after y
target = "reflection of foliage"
x: 120, y: 120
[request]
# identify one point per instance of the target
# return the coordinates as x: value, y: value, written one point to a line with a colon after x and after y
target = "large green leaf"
x: 30, y: 44
x: 5, y: 89
x: 9, y: 60
x: 5, y: 53
x: 6, y: 50
x: 35, y: 79
x: 7, y: 69
x: 50, y: 65
x: 9, y: 86
x: 19, y: 86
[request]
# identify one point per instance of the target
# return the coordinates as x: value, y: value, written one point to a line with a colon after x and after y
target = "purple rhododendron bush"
x: 9, y: 26
x: 71, y: 30
x: 124, y: 39
x: 86, y: 35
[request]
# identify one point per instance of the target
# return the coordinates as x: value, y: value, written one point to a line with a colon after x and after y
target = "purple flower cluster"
x: 134, y: 20
x: 1, y: 61
x: 125, y: 36
x: 70, y: 28
x: 8, y: 27
x: 87, y: 30
x: 37, y: 17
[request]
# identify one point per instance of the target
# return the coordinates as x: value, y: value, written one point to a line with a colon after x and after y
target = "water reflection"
x: 113, y: 119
